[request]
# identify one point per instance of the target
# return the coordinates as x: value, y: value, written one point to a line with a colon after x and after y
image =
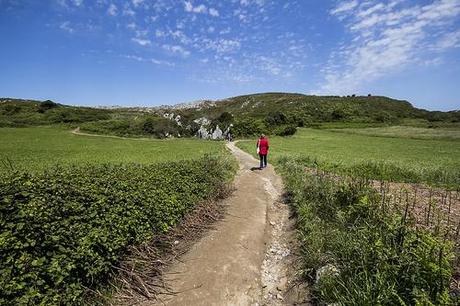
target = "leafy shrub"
x: 114, y: 126
x: 286, y: 130
x: 10, y: 109
x: 75, y: 115
x: 380, y: 258
x: 225, y: 118
x: 62, y: 230
x: 275, y: 118
x: 155, y: 126
x: 46, y: 105
x: 248, y: 127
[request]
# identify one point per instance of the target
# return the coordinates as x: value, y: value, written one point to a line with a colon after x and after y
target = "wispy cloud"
x: 221, y: 45
x: 213, y: 12
x: 202, y: 34
x: 149, y: 60
x: 449, y: 40
x: 112, y: 10
x: 142, y: 42
x: 386, y: 38
x: 176, y: 49
x: 344, y: 6
x: 65, y: 26
x: 136, y: 3
x: 188, y: 6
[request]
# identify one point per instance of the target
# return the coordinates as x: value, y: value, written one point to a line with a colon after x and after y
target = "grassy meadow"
x: 406, y: 132
x: 36, y: 148
x: 434, y: 160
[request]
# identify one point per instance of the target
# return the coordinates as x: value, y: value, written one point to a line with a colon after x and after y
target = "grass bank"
x: 358, y: 250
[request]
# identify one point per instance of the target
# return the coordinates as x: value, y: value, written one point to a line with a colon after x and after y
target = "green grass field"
x: 406, y: 132
x: 342, y: 150
x: 38, y: 147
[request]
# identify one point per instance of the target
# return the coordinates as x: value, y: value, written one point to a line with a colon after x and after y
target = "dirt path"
x: 79, y: 133
x: 245, y: 259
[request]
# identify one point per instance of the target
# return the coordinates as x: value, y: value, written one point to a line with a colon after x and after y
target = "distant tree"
x: 437, y: 116
x: 148, y: 126
x: 287, y: 130
x: 248, y: 127
x: 225, y: 118
x: 46, y: 105
x: 338, y: 114
x: 276, y: 118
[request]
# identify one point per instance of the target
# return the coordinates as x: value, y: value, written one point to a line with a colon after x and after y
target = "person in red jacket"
x: 262, y: 150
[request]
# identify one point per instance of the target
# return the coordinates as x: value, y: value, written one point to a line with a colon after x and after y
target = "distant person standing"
x: 262, y: 150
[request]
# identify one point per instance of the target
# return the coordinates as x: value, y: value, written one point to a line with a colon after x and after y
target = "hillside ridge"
x: 271, y: 113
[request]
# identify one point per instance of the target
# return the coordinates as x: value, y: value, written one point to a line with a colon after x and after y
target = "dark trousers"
x: 263, y: 160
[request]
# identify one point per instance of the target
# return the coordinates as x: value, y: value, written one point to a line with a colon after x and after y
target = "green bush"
x: 286, y: 130
x: 248, y: 127
x: 46, y: 105
x: 63, y: 230
x: 379, y: 257
x: 75, y: 115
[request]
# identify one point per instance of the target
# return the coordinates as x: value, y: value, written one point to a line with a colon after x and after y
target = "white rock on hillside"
x: 217, y: 134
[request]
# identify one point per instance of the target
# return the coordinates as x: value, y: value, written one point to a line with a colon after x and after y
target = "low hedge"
x: 63, y: 230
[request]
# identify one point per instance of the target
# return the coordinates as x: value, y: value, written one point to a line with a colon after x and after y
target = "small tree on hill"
x: 46, y: 105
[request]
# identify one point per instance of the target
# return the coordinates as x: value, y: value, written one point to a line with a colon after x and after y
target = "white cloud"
x: 112, y: 10
x: 149, y: 60
x: 221, y: 45
x: 142, y: 42
x: 175, y: 49
x: 344, y: 6
x: 225, y: 31
x: 213, y: 12
x: 249, y: 2
x: 200, y: 9
x: 159, y: 33
x: 188, y: 6
x: 129, y: 12
x: 131, y: 26
x: 77, y: 2
x: 69, y: 3
x: 385, y: 39
x: 141, y: 33
x: 449, y: 40
x: 66, y: 27
x: 136, y: 3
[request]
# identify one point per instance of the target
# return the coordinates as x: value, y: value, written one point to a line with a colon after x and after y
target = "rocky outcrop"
x: 207, y: 132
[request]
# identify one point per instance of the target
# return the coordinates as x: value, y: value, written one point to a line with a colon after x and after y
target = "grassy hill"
x: 271, y: 113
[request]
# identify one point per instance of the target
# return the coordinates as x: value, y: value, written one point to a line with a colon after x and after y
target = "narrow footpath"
x: 245, y: 259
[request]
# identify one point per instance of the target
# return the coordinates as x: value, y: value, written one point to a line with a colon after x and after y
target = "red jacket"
x: 262, y: 143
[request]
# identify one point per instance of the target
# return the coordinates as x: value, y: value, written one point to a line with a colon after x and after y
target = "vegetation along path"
x: 244, y: 260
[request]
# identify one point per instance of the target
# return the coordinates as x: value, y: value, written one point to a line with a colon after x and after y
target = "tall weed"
x: 379, y: 257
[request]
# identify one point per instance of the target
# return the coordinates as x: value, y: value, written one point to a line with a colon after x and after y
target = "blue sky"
x: 152, y: 52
